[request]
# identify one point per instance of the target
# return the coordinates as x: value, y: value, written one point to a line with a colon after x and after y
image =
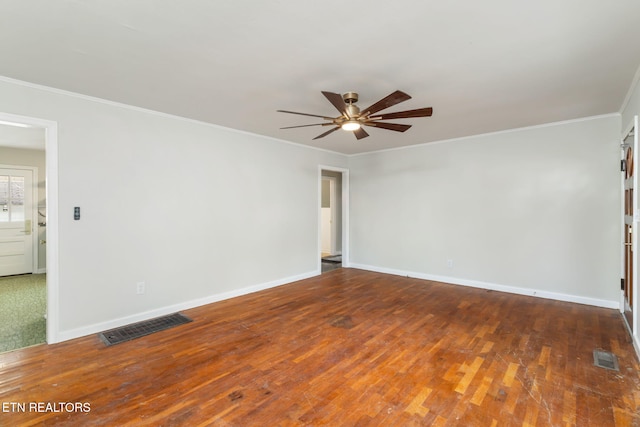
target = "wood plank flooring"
x: 348, y: 348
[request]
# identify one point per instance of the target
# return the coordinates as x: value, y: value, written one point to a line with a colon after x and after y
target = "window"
x: 11, y: 198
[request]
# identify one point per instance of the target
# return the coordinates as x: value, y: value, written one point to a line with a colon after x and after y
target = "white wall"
x: 533, y: 211
x: 198, y: 212
x: 631, y: 107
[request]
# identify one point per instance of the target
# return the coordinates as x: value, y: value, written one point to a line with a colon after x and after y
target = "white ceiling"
x: 483, y: 66
x: 31, y: 138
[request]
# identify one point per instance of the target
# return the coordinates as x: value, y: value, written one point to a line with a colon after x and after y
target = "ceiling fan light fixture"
x: 351, y: 125
x: 352, y: 120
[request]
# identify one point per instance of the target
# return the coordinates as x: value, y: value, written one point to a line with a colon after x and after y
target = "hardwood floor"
x: 348, y: 348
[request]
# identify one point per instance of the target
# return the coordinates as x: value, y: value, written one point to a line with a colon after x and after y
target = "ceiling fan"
x: 352, y: 118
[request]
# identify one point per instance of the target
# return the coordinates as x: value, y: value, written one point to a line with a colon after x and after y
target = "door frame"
x: 35, y: 246
x: 344, y: 215
x: 51, y: 160
x: 332, y: 206
x: 634, y: 328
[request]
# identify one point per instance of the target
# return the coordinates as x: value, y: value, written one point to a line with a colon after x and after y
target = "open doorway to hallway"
x: 332, y: 218
x: 23, y: 288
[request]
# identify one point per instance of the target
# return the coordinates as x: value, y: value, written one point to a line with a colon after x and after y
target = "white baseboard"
x: 40, y: 271
x: 116, y: 323
x: 494, y: 287
x: 634, y: 338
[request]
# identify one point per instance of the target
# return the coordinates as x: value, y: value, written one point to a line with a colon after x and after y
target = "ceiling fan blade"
x: 420, y: 112
x: 386, y: 102
x: 360, y: 133
x: 337, y: 101
x: 304, y: 126
x: 327, y: 132
x: 390, y: 126
x: 304, y: 114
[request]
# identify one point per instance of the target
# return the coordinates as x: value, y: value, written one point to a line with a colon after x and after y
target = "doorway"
x: 43, y: 215
x: 22, y: 257
x: 631, y: 216
x: 333, y: 218
x: 328, y: 214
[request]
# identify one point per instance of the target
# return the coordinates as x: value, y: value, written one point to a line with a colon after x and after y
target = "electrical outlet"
x: 140, y: 288
x: 450, y: 263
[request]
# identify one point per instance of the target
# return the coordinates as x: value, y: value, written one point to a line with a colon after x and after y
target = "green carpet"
x: 22, y: 309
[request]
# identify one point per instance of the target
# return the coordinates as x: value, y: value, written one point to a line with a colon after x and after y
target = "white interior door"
x: 16, y: 221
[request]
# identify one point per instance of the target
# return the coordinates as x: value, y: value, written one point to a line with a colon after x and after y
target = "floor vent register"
x: 605, y: 359
x: 140, y: 329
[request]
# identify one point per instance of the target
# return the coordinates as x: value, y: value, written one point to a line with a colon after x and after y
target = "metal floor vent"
x: 605, y: 359
x: 140, y: 329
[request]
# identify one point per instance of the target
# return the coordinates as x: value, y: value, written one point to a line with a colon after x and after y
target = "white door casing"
x: 630, y: 222
x: 51, y: 143
x: 344, y: 215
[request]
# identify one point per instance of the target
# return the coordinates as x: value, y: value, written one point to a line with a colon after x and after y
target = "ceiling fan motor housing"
x: 350, y: 97
x: 352, y: 110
